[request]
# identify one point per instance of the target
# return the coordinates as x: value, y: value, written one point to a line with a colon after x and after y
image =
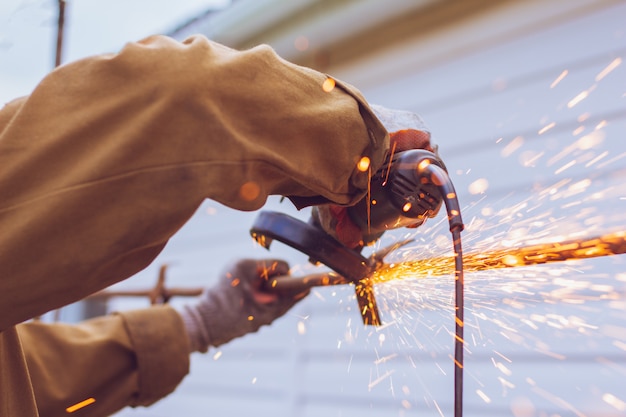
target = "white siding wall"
x: 542, y: 341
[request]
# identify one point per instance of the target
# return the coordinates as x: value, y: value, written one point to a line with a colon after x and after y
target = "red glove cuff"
x: 404, y: 140
x: 347, y: 232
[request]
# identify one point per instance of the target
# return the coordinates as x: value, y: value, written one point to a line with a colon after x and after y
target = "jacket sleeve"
x: 109, y: 156
x: 133, y: 358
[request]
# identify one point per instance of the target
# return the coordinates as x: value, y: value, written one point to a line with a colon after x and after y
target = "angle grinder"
x: 407, y: 190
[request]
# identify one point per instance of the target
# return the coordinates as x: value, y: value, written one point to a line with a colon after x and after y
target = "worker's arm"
x: 137, y: 357
x: 111, y: 155
x: 133, y: 358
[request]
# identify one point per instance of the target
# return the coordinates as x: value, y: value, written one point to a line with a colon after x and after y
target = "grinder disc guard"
x: 321, y: 248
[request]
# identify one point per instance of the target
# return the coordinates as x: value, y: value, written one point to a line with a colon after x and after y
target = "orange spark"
x: 423, y: 165
x: 606, y: 245
x: 512, y: 146
x: 363, y: 164
x: 328, y: 85
x: 546, y: 128
x: 559, y: 79
x: 301, y: 327
x: 457, y: 363
x: 379, y: 379
x: 249, y: 191
x: 580, y: 97
x: 80, y: 405
x: 479, y: 186
x: 566, y: 166
x: 483, y: 396
x: 596, y: 159
x: 614, y: 401
x: 614, y: 64
x: 578, y: 130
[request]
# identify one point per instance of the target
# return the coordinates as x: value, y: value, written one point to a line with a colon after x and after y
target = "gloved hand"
x: 236, y: 306
x: 406, y: 131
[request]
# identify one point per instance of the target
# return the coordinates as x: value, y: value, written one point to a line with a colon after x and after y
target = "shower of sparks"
x: 530, y: 285
x: 409, y: 287
x: 519, y: 257
x: 610, y: 244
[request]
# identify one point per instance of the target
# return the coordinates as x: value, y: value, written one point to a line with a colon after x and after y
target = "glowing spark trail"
x: 80, y: 405
x: 559, y: 79
x: 609, y: 244
x: 614, y: 64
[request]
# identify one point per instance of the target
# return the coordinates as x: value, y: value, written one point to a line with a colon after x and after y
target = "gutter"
x: 317, y: 24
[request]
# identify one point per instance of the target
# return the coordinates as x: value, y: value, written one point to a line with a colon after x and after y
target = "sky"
x: 28, y: 32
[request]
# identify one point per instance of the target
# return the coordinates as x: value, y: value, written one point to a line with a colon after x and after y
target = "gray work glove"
x: 237, y: 306
x: 397, y: 120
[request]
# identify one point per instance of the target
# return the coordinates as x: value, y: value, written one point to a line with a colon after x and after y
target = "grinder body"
x: 400, y: 195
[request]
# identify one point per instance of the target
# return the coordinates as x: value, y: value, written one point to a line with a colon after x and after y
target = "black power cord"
x: 440, y: 178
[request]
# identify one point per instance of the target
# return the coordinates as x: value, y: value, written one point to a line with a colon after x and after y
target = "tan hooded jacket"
x: 107, y: 159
